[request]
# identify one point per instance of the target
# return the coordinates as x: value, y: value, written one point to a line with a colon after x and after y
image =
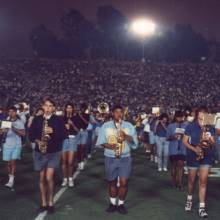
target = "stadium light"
x: 143, y: 28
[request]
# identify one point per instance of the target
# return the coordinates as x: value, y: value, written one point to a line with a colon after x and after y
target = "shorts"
x: 193, y: 163
x: 82, y: 137
x: 44, y: 161
x: 11, y: 153
x: 152, y: 138
x: 70, y: 145
x: 115, y: 168
x: 146, y: 137
x: 175, y: 158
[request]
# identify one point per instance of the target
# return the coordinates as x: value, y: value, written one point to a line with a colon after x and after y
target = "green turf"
x: 150, y: 195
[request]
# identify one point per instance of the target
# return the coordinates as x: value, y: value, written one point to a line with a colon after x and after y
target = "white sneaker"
x: 165, y: 169
x: 9, y: 184
x: 188, y: 206
x: 71, y: 183
x: 159, y: 169
x: 155, y: 159
x: 64, y: 183
x: 203, y: 213
x: 82, y: 165
x: 89, y: 156
x: 79, y: 166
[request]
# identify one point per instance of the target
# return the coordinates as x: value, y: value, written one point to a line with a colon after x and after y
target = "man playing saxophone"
x: 199, y: 160
x: 117, y: 137
x: 48, y: 132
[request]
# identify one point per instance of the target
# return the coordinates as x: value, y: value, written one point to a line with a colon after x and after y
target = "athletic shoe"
x: 122, y: 210
x: 152, y: 158
x: 71, y: 182
x: 50, y: 209
x: 42, y: 209
x: 165, y: 169
x: 9, y: 184
x: 111, y: 208
x: 64, y: 183
x: 159, y: 169
x: 188, y: 206
x: 82, y: 166
x: 203, y: 213
x: 89, y: 156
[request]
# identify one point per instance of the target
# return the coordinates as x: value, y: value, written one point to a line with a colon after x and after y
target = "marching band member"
x: 12, y: 143
x: 117, y: 137
x: 162, y: 143
x: 48, y: 132
x: 81, y: 123
x: 153, y: 120
x: 177, y: 150
x: 69, y: 146
x: 198, y: 160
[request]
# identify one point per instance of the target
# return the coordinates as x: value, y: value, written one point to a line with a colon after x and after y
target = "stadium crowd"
x: 138, y: 84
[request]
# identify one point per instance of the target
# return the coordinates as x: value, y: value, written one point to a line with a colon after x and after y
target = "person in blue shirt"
x: 161, y: 142
x: 12, y: 143
x: 177, y: 150
x: 112, y: 134
x: 196, y: 165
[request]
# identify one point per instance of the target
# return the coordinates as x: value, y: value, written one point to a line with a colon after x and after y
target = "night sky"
x: 17, y: 17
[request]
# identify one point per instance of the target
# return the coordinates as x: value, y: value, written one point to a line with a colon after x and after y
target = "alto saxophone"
x: 204, y: 143
x: 120, y: 143
x: 44, y: 138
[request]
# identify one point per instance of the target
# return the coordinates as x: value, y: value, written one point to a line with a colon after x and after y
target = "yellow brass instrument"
x: 205, y: 143
x: 103, y: 108
x: 120, y: 143
x: 44, y: 138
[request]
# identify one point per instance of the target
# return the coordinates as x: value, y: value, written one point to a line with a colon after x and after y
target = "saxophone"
x: 44, y: 138
x: 204, y: 143
x: 120, y: 143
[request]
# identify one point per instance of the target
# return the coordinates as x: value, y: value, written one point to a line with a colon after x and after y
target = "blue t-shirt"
x: 12, y: 139
x: 176, y: 147
x: 161, y: 131
x: 108, y: 129
x: 193, y: 130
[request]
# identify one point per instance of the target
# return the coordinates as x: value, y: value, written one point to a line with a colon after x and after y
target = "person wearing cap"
x: 117, y: 167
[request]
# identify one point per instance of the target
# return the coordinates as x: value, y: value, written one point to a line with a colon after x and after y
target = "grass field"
x: 150, y: 194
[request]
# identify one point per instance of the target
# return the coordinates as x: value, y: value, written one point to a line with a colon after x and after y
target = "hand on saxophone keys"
x: 49, y: 130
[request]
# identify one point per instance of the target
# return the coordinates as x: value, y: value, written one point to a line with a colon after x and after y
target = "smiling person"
x: 199, y: 160
x: 117, y: 137
x: 12, y: 143
x: 48, y: 132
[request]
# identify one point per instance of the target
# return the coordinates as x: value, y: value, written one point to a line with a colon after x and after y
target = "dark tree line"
x: 110, y: 38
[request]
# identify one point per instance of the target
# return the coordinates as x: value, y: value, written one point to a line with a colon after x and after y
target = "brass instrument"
x: 44, y: 138
x: 120, y: 143
x: 103, y: 108
x: 204, y: 144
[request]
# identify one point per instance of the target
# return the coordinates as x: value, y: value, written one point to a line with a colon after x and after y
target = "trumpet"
x: 44, y: 138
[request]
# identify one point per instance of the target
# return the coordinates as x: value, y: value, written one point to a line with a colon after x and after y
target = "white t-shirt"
x: 12, y: 139
x: 217, y: 125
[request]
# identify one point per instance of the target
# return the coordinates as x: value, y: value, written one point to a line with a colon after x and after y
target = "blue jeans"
x: 162, y: 151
